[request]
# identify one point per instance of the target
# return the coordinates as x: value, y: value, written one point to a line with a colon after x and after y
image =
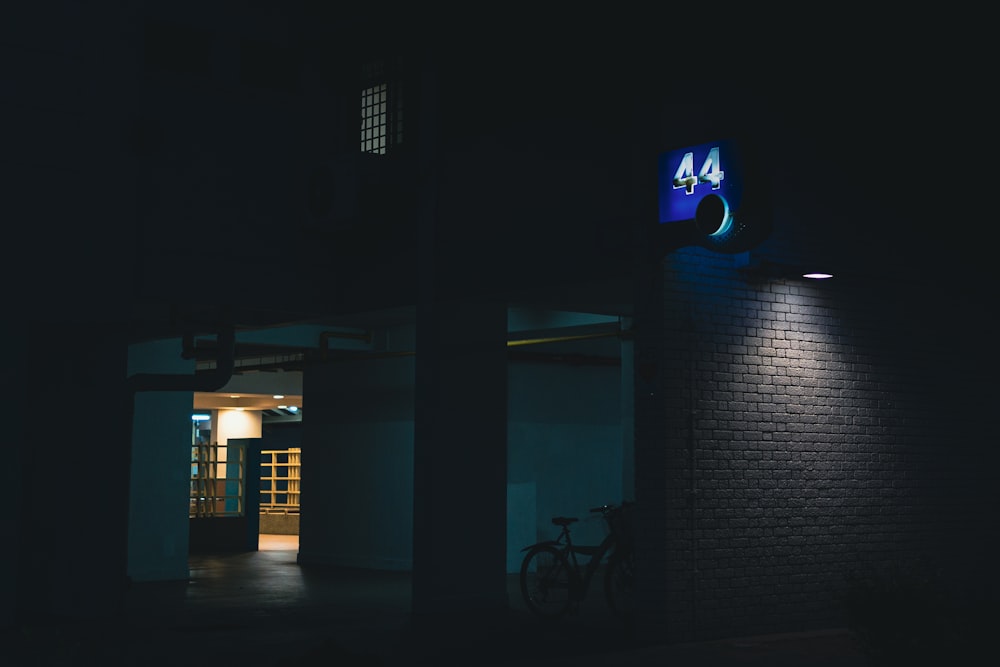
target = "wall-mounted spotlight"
x: 765, y: 269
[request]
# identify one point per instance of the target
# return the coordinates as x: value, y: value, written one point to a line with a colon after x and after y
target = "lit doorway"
x: 247, y: 445
x: 280, y: 480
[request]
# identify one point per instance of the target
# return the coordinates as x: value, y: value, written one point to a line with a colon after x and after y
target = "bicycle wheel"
x: 545, y: 581
x: 619, y: 589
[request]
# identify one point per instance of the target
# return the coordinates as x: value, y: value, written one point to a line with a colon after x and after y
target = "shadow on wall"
x: 913, y: 613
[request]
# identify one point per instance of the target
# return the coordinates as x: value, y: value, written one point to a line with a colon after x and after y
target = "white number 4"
x: 711, y: 172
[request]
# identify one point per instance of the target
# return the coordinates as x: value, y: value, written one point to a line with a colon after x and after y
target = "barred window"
x: 217, y: 480
x: 279, y: 480
x: 381, y: 112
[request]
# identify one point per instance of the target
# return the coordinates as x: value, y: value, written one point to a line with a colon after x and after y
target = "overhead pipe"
x: 210, y: 380
x: 367, y: 338
x: 325, y: 337
x: 571, y: 359
x: 564, y: 339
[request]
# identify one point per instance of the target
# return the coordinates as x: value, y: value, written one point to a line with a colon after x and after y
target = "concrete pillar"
x: 649, y: 364
x: 650, y: 457
x: 460, y: 459
x: 460, y: 408
x: 74, y: 475
x: 13, y: 377
x: 160, y: 479
x: 627, y: 356
x: 70, y: 207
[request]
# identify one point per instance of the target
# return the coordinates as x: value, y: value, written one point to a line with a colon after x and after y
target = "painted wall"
x: 160, y: 468
x: 564, y: 450
x: 281, y: 435
x: 228, y: 424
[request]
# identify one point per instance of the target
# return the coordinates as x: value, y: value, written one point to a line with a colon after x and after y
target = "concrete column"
x: 648, y: 402
x: 70, y: 207
x: 460, y: 458
x: 460, y: 408
x: 13, y: 376
x: 74, y: 475
x: 650, y: 454
x: 627, y: 356
x: 160, y: 479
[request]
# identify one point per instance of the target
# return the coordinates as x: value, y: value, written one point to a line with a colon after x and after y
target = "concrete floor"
x: 278, y: 542
x: 263, y: 608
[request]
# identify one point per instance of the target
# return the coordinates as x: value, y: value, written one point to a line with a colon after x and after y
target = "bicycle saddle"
x: 563, y: 520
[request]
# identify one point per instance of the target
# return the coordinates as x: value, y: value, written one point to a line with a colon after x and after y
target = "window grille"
x: 217, y: 475
x: 381, y: 112
x: 280, y: 473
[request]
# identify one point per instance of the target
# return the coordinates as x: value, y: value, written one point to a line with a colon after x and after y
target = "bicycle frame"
x: 580, y: 575
x: 561, y: 585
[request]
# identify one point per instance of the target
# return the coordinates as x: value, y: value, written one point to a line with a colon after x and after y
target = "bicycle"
x: 554, y: 582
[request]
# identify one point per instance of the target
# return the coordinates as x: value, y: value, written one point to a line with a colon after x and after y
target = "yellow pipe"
x: 561, y: 339
x: 510, y: 343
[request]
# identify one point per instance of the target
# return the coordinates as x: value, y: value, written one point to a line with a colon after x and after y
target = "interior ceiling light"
x: 278, y: 396
x: 817, y: 275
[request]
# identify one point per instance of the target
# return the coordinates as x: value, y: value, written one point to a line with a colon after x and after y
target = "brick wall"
x: 798, y: 433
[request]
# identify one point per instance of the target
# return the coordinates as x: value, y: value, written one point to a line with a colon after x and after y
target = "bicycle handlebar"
x: 604, y: 509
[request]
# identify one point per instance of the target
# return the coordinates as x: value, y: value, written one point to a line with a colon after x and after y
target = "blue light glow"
x: 727, y: 219
x: 687, y: 175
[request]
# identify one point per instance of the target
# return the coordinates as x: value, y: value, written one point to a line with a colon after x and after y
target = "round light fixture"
x: 713, y: 216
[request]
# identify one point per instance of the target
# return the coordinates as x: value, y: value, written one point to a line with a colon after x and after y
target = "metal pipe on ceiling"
x: 325, y: 336
x: 571, y: 359
x: 210, y: 380
x: 564, y: 339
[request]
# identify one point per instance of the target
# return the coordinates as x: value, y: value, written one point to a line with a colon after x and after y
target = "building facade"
x: 779, y: 435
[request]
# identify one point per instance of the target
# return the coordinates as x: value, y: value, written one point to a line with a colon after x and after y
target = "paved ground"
x: 263, y: 609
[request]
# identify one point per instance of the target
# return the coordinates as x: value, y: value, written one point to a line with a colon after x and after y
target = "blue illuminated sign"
x: 688, y: 175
